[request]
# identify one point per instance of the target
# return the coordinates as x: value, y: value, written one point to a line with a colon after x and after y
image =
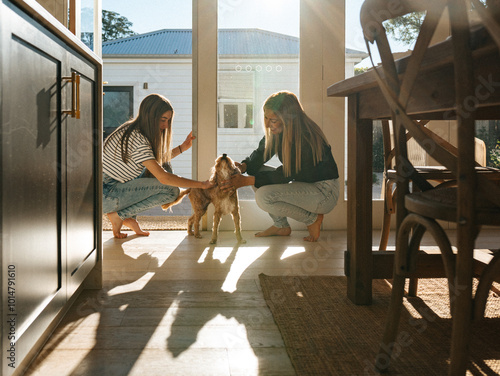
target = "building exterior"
x: 253, y: 64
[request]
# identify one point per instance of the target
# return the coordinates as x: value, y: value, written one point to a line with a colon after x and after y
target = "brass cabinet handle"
x: 75, y: 95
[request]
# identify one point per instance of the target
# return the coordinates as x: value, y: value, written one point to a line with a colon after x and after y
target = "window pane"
x: 117, y: 108
x: 231, y: 116
x: 258, y: 56
x: 87, y: 23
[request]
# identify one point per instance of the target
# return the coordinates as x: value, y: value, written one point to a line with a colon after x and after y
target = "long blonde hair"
x: 297, y: 127
x: 147, y: 123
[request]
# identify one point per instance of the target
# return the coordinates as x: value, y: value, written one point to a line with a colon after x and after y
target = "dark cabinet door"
x: 80, y: 172
x: 31, y: 178
x: 31, y: 175
x: 48, y: 211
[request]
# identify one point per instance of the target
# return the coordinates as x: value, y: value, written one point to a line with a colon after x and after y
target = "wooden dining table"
x: 433, y: 98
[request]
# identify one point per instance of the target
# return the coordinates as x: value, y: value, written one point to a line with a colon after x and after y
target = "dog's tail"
x: 177, y: 200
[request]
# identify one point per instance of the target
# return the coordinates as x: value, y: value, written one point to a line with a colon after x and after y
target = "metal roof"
x: 161, y: 42
x: 231, y: 42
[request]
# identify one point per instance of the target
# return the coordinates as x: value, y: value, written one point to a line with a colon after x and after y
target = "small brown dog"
x: 224, y: 202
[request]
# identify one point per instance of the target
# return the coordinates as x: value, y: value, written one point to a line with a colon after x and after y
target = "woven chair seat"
x: 441, y: 203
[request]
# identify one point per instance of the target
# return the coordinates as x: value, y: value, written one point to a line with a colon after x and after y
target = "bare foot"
x: 134, y: 225
x: 116, y: 224
x: 274, y: 231
x: 314, y: 230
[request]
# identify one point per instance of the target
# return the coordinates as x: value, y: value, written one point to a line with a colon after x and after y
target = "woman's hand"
x: 188, y: 142
x: 241, y: 166
x: 206, y: 184
x: 226, y: 186
x: 237, y: 181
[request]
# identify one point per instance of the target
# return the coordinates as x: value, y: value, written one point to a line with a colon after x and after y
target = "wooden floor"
x: 174, y: 305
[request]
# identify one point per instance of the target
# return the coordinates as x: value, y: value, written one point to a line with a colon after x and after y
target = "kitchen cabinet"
x: 50, y: 178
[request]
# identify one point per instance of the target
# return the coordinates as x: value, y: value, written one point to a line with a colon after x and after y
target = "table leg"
x: 359, y: 200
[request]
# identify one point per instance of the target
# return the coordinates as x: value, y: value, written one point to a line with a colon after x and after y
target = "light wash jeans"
x: 300, y: 201
x: 134, y: 196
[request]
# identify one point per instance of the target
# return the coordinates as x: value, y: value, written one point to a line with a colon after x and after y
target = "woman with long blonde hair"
x: 142, y: 143
x: 305, y: 186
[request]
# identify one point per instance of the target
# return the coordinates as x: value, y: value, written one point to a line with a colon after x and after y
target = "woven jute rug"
x: 326, y: 334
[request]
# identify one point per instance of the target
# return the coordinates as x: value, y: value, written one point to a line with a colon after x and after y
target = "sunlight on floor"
x: 218, y: 253
x: 290, y: 251
x: 242, y: 260
x: 137, y: 285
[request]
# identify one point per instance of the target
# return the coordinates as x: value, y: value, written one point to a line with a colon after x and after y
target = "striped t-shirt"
x: 139, y: 150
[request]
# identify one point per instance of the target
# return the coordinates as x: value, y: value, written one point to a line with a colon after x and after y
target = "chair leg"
x: 463, y: 307
x: 386, y: 228
x: 389, y: 203
x: 404, y: 264
x: 418, y: 233
x: 460, y: 334
x: 487, y: 277
x: 389, y: 348
x: 413, y: 287
x: 442, y: 241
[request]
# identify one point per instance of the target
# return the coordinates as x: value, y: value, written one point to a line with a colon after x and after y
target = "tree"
x: 360, y: 70
x: 405, y: 29
x: 115, y: 26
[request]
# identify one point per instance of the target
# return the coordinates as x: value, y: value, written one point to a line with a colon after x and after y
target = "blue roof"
x: 161, y: 42
x: 231, y: 42
x: 179, y: 42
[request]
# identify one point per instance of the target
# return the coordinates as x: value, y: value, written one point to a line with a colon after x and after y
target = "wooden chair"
x: 439, y: 175
x: 473, y: 202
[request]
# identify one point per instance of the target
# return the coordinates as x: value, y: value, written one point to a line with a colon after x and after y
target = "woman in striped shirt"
x: 143, y: 142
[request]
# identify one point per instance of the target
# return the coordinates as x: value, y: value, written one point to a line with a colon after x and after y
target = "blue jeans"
x: 300, y: 201
x: 134, y: 196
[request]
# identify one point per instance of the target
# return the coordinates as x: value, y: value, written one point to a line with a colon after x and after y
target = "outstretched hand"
x: 236, y: 181
x: 188, y: 142
x: 207, y: 184
x: 241, y: 166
